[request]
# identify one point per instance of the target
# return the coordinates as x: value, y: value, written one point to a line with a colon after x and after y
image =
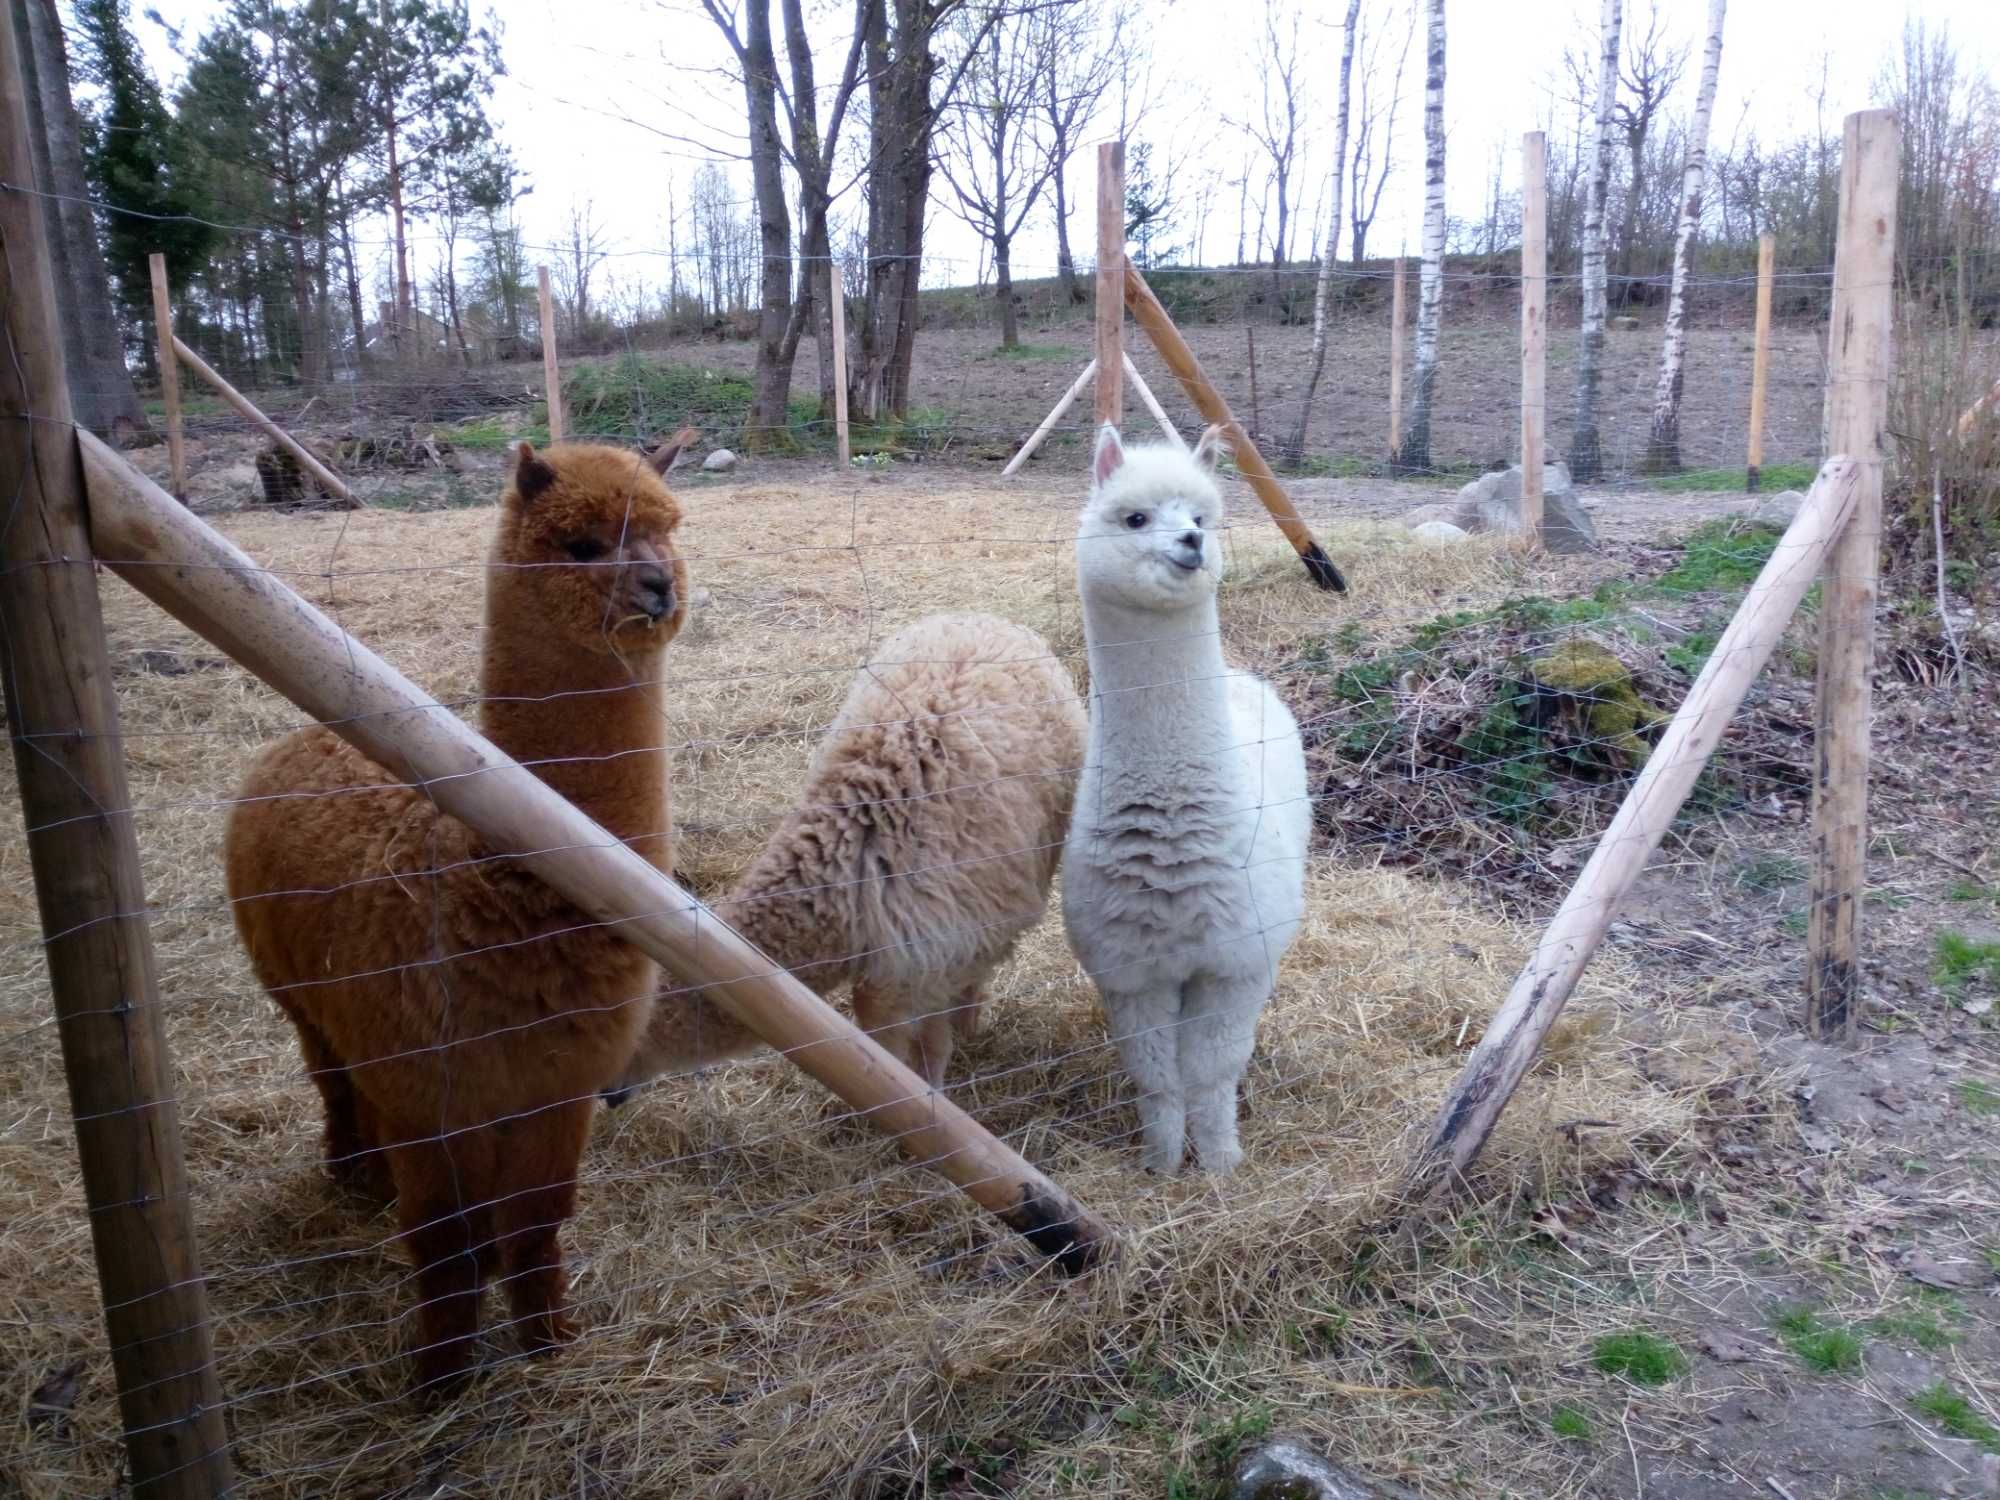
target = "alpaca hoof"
x: 441, y: 1375
x: 547, y: 1335
x: 364, y: 1173
x: 1220, y: 1161
x: 614, y: 1097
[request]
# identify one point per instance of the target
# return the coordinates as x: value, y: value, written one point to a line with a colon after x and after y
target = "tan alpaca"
x: 923, y: 845
x: 458, y: 1016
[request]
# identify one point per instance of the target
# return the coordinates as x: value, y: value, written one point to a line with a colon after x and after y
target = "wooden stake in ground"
x: 1534, y: 326
x: 69, y: 760
x: 1514, y: 1035
x: 204, y: 581
x: 1110, y: 284
x: 551, y: 371
x: 1760, y: 363
x: 1857, y: 409
x: 1250, y: 344
x: 1396, y: 320
x: 1048, y: 423
x: 1152, y: 317
x: 837, y: 295
x: 1969, y: 419
x: 329, y: 481
x: 1152, y: 404
x: 170, y: 372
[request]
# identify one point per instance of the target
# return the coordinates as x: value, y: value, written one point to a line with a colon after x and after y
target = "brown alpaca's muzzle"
x: 647, y: 589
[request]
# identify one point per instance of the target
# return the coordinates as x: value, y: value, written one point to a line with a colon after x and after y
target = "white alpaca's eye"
x: 1135, y: 520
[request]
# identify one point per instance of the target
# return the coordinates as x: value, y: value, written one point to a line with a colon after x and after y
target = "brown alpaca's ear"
x: 668, y: 453
x: 532, y: 477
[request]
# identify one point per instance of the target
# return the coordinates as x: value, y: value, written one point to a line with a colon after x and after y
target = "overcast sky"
x: 580, y: 71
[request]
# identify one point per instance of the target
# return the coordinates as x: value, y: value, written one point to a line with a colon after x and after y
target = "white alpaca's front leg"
x: 1217, y: 1033
x: 1144, y: 1029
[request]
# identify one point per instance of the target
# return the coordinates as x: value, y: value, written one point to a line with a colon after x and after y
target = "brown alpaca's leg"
x: 540, y: 1157
x: 353, y: 1154
x: 448, y: 1228
x: 965, y: 1011
x: 884, y: 1012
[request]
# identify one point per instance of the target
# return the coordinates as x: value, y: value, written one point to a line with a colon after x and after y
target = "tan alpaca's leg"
x: 537, y: 1196
x: 442, y: 1205
x: 965, y: 1010
x: 885, y: 1012
x: 353, y: 1146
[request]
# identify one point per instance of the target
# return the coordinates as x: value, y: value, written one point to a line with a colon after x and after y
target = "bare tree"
x: 1416, y: 454
x: 993, y: 156
x: 1295, y: 445
x: 1663, y: 443
x: 1585, y: 454
x: 1374, y: 132
x: 1652, y: 68
x: 1281, y: 98
x: 1081, y: 53
x: 578, y: 255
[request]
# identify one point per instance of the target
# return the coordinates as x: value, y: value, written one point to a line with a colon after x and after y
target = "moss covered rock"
x: 1590, y: 676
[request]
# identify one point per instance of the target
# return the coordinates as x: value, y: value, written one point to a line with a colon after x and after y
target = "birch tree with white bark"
x: 1295, y: 445
x: 1663, y: 443
x: 1416, y: 454
x: 1586, y: 458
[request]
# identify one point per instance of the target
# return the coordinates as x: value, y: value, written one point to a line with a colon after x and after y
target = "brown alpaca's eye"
x: 584, y: 548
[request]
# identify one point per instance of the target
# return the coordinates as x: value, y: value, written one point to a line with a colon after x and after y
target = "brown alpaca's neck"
x: 591, y: 725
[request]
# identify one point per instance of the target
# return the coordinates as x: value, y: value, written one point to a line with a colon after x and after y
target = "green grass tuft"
x: 1961, y: 960
x: 1978, y: 1096
x: 1956, y: 1415
x: 1641, y: 1357
x: 1972, y: 891
x: 1770, y: 872
x: 1037, y: 352
x: 1822, y: 1348
x: 1721, y: 554
x: 1923, y: 1324
x: 1570, y: 1424
x: 1770, y: 479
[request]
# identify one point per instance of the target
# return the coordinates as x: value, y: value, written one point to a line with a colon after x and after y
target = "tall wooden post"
x: 1111, y: 283
x: 551, y: 372
x: 1857, y: 408
x: 69, y: 761
x: 1534, y: 325
x: 836, y: 282
x: 170, y: 373
x: 1396, y: 365
x: 1760, y: 365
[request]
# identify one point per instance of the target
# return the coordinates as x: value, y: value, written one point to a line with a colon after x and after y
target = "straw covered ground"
x: 774, y: 1303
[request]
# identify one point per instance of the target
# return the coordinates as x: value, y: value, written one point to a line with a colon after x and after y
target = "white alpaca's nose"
x: 1187, y: 550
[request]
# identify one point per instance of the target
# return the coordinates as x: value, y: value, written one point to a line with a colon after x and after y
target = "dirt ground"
x: 1812, y: 1232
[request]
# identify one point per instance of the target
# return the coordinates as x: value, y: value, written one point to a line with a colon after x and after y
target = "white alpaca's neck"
x: 1157, y: 683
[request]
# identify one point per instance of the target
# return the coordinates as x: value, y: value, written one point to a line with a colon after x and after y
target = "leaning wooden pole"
x: 1110, y: 283
x: 1534, y: 326
x: 1152, y: 404
x: 1048, y: 423
x: 206, y: 583
x: 1969, y: 418
x: 1152, y: 317
x: 69, y: 760
x: 329, y: 481
x: 1514, y: 1035
x: 1760, y: 362
x: 551, y: 368
x: 1857, y: 413
x: 170, y: 372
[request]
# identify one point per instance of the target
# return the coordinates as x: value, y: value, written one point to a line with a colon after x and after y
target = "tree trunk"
x: 1065, y: 263
x: 1628, y: 255
x: 362, y: 358
x: 773, y: 376
x: 396, y: 220
x: 1663, y: 443
x: 901, y: 123
x: 1586, y: 458
x: 1003, y: 288
x: 1416, y: 454
x: 1295, y: 445
x: 102, y: 396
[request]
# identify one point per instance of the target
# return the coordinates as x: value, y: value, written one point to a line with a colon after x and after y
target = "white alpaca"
x: 1184, y: 875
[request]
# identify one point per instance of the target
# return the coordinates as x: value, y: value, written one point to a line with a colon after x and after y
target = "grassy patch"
x: 633, y: 396
x: 1721, y: 555
x: 1826, y: 1349
x: 1770, y: 478
x: 1641, y: 1357
x: 489, y: 434
x: 1956, y: 1415
x: 1036, y: 352
x: 1570, y: 1424
x: 1769, y: 872
x: 1927, y: 1324
x: 1961, y: 960
x: 1979, y: 1096
x: 1691, y: 654
x: 1971, y: 892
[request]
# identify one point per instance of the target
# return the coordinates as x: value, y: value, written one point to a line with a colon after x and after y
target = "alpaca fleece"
x: 458, y: 1016
x: 922, y: 847
x: 1185, y: 875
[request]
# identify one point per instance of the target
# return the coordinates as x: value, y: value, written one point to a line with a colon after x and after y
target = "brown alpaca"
x: 923, y: 845
x: 458, y: 1016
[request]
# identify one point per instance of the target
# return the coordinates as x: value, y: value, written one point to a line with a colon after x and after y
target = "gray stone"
x: 1285, y: 1469
x: 1492, y: 502
x: 1780, y: 509
x: 1624, y: 325
x: 1442, y: 511
x: 721, y: 461
x: 1438, y: 532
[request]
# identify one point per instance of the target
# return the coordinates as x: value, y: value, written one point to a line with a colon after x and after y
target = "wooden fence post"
x: 1514, y: 1035
x: 1534, y: 326
x: 1857, y: 410
x: 1110, y: 284
x: 837, y: 296
x: 1396, y: 315
x: 1760, y: 363
x: 551, y: 371
x: 327, y: 480
x: 170, y: 373
x: 69, y: 760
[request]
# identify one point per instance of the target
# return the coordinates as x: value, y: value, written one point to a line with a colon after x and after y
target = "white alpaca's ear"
x: 1110, y: 454
x: 1208, y: 447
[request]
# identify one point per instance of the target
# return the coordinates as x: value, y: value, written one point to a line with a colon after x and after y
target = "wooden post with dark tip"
x: 1396, y: 318
x: 1760, y: 361
x: 1110, y: 283
x: 69, y: 760
x: 551, y: 369
x: 1179, y: 358
x: 1857, y: 412
x: 1513, y: 1038
x: 170, y: 372
x: 327, y: 480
